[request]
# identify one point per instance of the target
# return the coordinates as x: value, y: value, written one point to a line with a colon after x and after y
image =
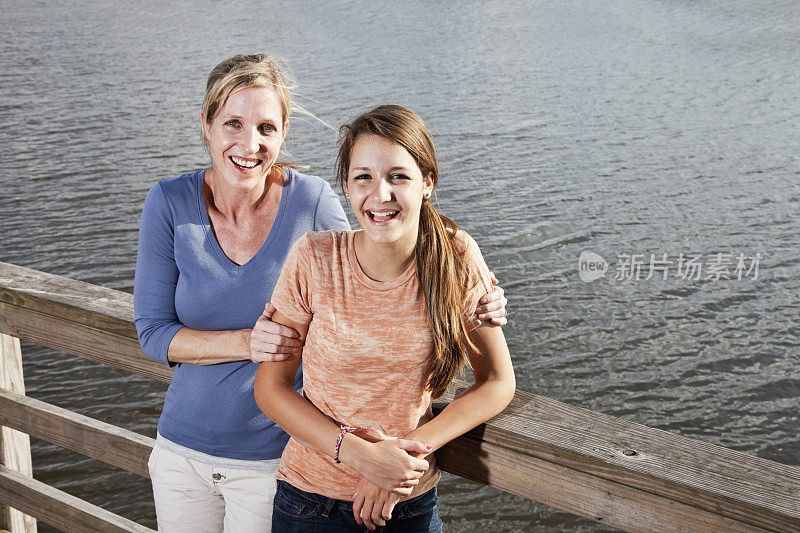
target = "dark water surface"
x: 627, y: 127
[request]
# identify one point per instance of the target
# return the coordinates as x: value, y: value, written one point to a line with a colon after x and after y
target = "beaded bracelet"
x: 343, y: 430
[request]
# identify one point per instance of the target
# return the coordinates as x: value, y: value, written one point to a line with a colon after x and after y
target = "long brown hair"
x: 439, y: 262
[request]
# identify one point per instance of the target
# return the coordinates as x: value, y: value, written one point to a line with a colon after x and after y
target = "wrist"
x: 244, y: 338
x: 351, y: 450
x: 425, y: 440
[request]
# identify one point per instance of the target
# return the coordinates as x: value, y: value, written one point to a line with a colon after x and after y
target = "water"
x: 623, y: 127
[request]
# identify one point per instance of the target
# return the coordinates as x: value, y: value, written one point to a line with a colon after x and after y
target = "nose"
x: 383, y: 190
x: 251, y: 140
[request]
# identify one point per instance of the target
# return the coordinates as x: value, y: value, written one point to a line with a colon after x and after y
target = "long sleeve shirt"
x: 183, y: 278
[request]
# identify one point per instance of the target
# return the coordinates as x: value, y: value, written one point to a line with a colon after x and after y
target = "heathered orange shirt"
x: 365, y: 351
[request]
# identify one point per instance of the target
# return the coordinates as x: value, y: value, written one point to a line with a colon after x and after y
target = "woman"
x: 211, y: 246
x: 354, y: 297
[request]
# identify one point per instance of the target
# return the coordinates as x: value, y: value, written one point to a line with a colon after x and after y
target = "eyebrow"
x: 390, y: 170
x: 240, y: 117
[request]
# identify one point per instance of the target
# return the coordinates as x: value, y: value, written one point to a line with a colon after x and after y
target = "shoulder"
x: 180, y: 184
x: 176, y: 192
x: 323, y: 244
x: 317, y: 250
x: 473, y: 267
x: 474, y: 274
x: 305, y: 184
x: 312, y: 196
x: 169, y: 204
x: 465, y: 244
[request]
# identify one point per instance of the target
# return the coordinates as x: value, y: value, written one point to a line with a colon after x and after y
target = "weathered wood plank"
x: 15, y: 447
x: 81, y: 340
x: 100, y: 440
x: 733, y: 484
x: 77, y: 301
x: 59, y: 509
x: 74, y: 317
x: 607, y: 502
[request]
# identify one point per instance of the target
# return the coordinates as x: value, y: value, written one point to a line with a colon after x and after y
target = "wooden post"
x: 15, y: 447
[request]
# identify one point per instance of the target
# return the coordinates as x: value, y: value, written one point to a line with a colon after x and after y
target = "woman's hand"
x: 373, y: 506
x: 389, y: 464
x: 270, y: 341
x: 492, y: 306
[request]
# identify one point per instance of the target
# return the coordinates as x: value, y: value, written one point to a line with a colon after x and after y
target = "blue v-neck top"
x: 183, y: 278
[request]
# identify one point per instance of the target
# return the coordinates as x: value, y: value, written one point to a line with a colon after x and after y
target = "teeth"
x: 243, y: 162
x: 385, y: 215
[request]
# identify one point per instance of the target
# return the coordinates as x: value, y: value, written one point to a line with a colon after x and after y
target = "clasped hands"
x: 390, y: 467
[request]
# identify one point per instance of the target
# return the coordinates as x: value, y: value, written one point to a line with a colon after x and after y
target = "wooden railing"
x: 616, y: 472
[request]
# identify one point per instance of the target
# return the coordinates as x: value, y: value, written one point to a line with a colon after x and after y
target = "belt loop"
x: 330, y: 504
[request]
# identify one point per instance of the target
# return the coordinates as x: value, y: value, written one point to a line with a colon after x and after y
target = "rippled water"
x: 628, y: 127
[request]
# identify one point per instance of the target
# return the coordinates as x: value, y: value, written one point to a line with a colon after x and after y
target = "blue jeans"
x: 297, y: 511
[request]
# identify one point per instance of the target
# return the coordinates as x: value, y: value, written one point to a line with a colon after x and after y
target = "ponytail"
x: 438, y: 268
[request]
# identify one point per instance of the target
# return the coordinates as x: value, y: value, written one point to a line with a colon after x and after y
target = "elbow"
x: 155, y: 338
x: 509, y: 390
x: 266, y: 393
x: 262, y: 399
x: 506, y: 388
x: 147, y: 341
x: 500, y: 391
x: 509, y: 381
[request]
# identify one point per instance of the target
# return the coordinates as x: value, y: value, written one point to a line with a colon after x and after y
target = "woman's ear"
x: 203, y: 127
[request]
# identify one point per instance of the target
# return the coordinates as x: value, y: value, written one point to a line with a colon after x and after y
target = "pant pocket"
x: 424, y: 503
x: 294, y: 505
x: 151, y: 462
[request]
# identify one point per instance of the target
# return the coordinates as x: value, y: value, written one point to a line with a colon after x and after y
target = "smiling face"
x: 386, y: 187
x: 245, y: 137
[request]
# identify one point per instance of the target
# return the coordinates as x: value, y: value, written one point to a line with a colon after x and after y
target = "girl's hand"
x: 373, y: 506
x: 270, y: 341
x: 389, y: 464
x: 492, y: 306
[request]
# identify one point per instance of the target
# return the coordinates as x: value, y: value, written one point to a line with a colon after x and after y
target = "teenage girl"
x: 384, y: 317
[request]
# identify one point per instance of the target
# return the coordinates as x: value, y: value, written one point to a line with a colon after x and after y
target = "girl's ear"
x: 428, y: 189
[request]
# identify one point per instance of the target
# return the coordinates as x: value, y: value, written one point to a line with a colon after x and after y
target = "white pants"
x: 196, y: 497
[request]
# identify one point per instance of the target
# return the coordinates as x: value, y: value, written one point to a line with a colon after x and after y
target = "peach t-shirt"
x: 365, y: 351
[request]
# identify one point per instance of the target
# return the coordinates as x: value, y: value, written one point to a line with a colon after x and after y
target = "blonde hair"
x: 241, y: 72
x: 439, y: 262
